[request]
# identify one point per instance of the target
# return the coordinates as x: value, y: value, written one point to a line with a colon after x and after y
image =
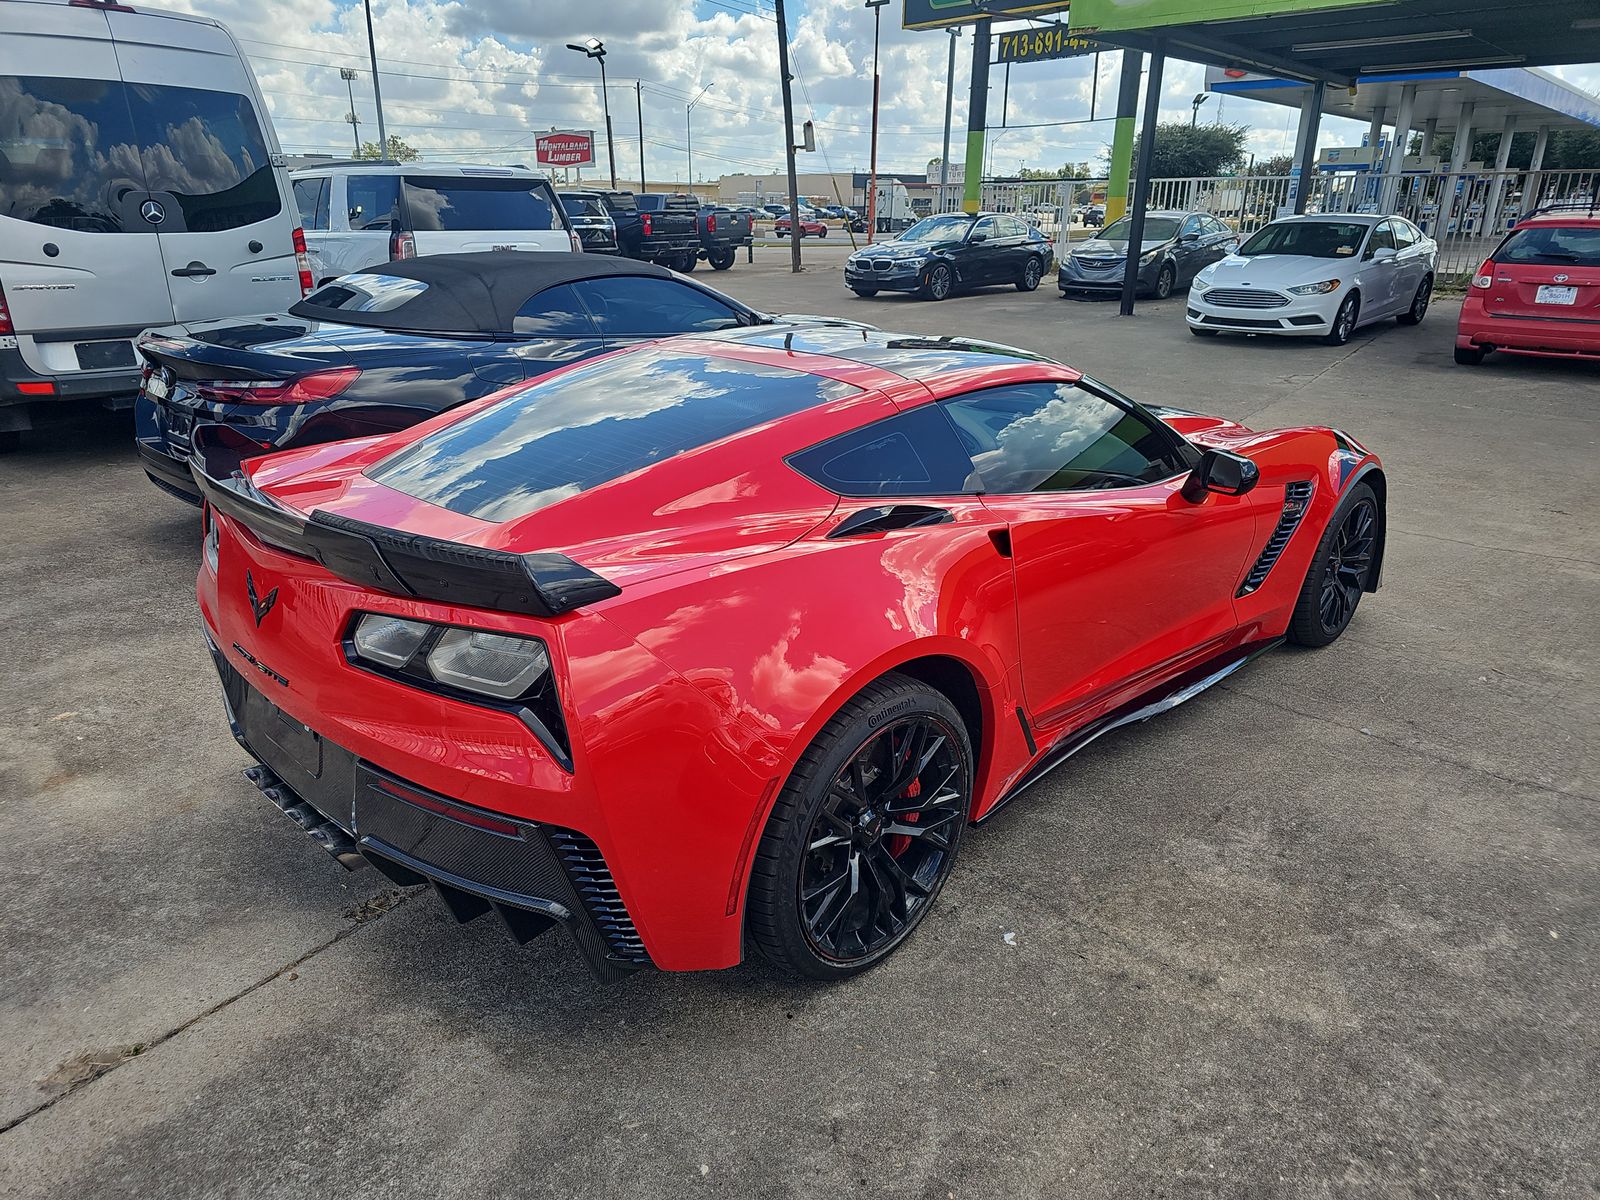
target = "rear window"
x: 583, y: 429
x: 1553, y: 245
x: 79, y: 154
x: 445, y: 202
x: 361, y: 292
x: 583, y: 206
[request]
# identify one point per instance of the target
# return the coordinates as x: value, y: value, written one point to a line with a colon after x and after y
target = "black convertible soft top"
x: 467, y: 293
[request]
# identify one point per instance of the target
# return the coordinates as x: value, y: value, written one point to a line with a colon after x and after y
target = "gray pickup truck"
x: 723, y: 231
x: 658, y: 227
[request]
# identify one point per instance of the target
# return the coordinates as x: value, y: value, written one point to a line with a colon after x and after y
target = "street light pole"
x: 1194, y: 108
x: 638, y: 102
x: 348, y: 74
x: 377, y: 92
x: 788, y: 136
x: 872, y: 196
x: 688, y: 129
x: 596, y: 49
x: 949, y: 104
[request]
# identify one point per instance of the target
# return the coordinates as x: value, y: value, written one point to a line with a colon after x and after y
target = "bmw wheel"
x: 1166, y: 280
x: 1031, y: 274
x: 864, y: 833
x: 1340, y: 570
x: 938, y: 283
x: 1419, y: 303
x: 1344, y: 322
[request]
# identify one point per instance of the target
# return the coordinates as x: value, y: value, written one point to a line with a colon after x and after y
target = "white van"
x: 140, y: 184
x: 358, y: 214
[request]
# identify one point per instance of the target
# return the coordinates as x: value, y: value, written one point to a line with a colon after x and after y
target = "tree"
x: 1183, y: 150
x: 1275, y: 167
x: 1071, y: 170
x: 399, y: 151
x: 1568, y: 149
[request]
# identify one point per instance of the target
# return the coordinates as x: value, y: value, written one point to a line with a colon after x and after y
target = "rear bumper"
x: 533, y: 876
x: 1555, y: 337
x: 118, y: 386
x: 167, y: 471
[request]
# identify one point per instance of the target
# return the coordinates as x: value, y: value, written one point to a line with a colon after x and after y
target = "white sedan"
x: 1317, y: 276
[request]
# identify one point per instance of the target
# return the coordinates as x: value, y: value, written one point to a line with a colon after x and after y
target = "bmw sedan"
x: 1317, y: 276
x: 950, y: 252
x: 723, y: 641
x: 1176, y: 245
x: 387, y: 347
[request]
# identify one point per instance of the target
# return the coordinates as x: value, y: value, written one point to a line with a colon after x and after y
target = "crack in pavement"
x: 1439, y: 537
x: 359, y: 923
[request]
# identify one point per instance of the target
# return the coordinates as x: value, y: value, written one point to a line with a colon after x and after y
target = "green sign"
x: 1037, y: 45
x: 1113, y: 16
x: 935, y: 14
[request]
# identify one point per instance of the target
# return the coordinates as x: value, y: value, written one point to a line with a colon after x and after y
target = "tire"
x: 1202, y: 332
x: 866, y: 292
x: 1339, y: 571
x: 721, y: 261
x: 938, y: 283
x: 824, y: 232
x: 1031, y: 274
x: 1419, y: 303
x: 1166, y: 280
x: 687, y: 261
x: 1469, y: 357
x: 1344, y: 322
x: 863, y: 909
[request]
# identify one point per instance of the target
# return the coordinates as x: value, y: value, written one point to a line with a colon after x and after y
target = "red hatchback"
x: 808, y: 227
x: 1538, y: 293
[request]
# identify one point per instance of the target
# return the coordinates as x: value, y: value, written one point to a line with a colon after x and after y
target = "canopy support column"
x: 1394, y: 163
x: 1122, y: 134
x: 1305, y: 148
x: 1141, y: 182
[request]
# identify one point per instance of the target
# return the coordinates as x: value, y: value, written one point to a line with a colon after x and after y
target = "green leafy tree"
x: 1071, y: 170
x: 1274, y: 167
x: 399, y: 151
x: 1183, y: 150
x: 1567, y: 150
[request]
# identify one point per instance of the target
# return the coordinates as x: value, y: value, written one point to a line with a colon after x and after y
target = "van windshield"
x: 449, y: 202
x: 85, y: 154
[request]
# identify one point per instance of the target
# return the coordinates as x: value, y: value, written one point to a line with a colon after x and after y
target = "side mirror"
x: 1222, y: 472
x: 1187, y: 238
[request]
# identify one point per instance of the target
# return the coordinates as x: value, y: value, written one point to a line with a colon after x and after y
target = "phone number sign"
x: 1040, y: 45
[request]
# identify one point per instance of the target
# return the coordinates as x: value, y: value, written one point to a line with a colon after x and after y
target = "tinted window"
x: 205, y: 150
x: 554, y: 312
x: 1012, y: 227
x: 1552, y: 245
x: 1156, y: 229
x: 1382, y: 239
x: 984, y: 230
x: 1311, y: 239
x: 1191, y: 225
x: 1404, y: 235
x: 374, y: 201
x: 579, y: 430
x: 636, y: 306
x: 68, y: 156
x: 311, y: 197
x: 361, y: 292
x: 1049, y: 437
x: 77, y: 154
x: 583, y: 206
x: 913, y: 454
x: 1214, y: 226
x: 436, y: 202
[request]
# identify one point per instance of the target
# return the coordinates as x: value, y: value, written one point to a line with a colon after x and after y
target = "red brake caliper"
x: 899, y: 841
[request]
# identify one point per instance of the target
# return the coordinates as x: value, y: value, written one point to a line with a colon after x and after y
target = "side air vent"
x: 598, y: 890
x: 1296, y: 499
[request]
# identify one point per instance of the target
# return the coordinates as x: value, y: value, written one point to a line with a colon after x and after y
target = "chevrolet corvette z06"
x: 726, y: 640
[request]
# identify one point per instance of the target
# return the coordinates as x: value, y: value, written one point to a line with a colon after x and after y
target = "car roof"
x: 1572, y: 216
x: 908, y: 355
x: 477, y: 293
x: 1341, y: 218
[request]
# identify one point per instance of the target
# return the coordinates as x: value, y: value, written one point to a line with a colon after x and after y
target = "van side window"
x: 374, y: 201
x: 67, y: 155
x: 204, y: 150
x: 311, y: 196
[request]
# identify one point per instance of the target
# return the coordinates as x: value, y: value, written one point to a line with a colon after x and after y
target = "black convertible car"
x: 387, y: 347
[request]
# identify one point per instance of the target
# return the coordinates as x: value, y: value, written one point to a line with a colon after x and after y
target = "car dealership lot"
x: 1326, y: 930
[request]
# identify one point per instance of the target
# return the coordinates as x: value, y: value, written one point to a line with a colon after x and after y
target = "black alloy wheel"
x: 1419, y: 303
x: 864, y: 834
x: 1344, y: 322
x: 1166, y: 280
x: 721, y: 260
x: 1031, y: 274
x: 939, y: 282
x: 1339, y: 571
x: 687, y: 260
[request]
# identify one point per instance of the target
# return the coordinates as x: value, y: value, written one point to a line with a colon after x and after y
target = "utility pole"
x: 348, y: 74
x: 377, y: 93
x: 688, y: 128
x: 638, y: 100
x: 949, y: 105
x: 788, y: 138
x: 872, y: 196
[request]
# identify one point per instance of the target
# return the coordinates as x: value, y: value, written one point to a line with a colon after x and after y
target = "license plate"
x: 1556, y: 295
x: 99, y: 355
x: 156, y: 387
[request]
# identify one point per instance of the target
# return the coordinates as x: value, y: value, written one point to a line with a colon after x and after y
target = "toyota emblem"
x: 152, y: 211
x: 1562, y: 278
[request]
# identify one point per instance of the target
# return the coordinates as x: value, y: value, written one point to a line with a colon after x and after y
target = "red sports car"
x: 726, y: 640
x: 1539, y: 292
x: 808, y: 227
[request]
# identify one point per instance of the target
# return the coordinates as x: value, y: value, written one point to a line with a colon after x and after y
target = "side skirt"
x: 1168, y: 696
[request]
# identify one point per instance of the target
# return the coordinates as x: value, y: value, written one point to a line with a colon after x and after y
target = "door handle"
x: 893, y: 516
x: 196, y: 269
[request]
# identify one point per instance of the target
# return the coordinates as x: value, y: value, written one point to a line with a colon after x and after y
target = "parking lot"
x: 1326, y: 931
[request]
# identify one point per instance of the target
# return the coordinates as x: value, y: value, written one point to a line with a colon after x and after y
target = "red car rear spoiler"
x: 545, y: 584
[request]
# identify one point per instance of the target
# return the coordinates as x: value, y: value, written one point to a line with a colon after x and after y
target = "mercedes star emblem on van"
x: 152, y: 211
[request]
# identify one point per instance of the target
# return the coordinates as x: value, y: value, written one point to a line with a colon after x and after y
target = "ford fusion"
x: 725, y: 640
x: 941, y: 255
x: 1317, y: 277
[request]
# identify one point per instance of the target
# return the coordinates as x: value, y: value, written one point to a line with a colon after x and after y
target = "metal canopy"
x: 1338, y: 45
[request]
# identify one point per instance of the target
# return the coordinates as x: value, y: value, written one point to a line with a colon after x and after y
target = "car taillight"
x: 302, y: 260
x: 319, y: 385
x: 644, y: 223
x: 5, y: 315
x: 1485, y: 276
x: 711, y: 223
x: 402, y: 245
